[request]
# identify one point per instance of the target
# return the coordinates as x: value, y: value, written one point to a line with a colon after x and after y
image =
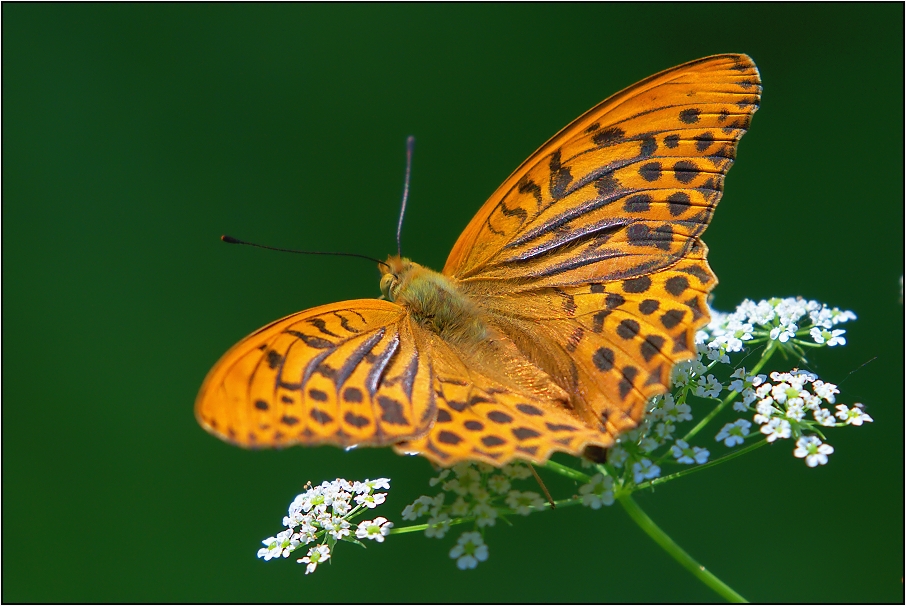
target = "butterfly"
x: 559, y: 313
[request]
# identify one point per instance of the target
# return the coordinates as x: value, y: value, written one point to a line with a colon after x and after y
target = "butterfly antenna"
x: 410, y: 145
x: 232, y: 240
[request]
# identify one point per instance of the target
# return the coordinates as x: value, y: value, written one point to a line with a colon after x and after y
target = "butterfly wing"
x: 483, y: 415
x: 588, y: 256
x: 350, y: 373
x: 624, y: 190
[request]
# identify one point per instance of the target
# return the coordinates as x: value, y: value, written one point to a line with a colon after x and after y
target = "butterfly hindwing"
x: 482, y: 418
x: 345, y: 374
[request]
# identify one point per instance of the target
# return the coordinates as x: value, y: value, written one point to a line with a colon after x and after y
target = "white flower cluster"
x: 778, y: 320
x: 781, y: 407
x: 479, y: 491
x: 323, y: 513
x: 786, y: 322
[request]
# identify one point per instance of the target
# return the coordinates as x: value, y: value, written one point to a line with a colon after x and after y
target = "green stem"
x: 569, y: 472
x: 667, y: 544
x: 769, y: 350
x: 686, y: 472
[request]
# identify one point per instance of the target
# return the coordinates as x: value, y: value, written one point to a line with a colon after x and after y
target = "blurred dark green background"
x: 134, y: 135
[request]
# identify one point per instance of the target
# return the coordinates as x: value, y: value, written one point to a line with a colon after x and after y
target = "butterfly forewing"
x: 622, y: 191
x: 346, y: 374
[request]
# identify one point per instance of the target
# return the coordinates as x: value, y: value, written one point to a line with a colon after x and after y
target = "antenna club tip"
x: 230, y: 239
x: 410, y: 141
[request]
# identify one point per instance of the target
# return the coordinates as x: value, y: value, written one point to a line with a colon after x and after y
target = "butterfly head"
x: 392, y: 275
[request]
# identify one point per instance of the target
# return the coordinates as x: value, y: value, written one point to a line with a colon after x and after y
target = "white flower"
x: 617, y: 456
x: 417, y: 509
x: 644, y: 470
x: 648, y: 444
x: 688, y: 456
x: 440, y: 478
x: 379, y: 484
x: 710, y: 388
x: 832, y: 337
x: 777, y: 428
x: 307, y: 532
x: 467, y: 480
x: 676, y: 412
x: 438, y: 526
x: 824, y: 417
x: 375, y: 529
x: 524, y: 503
x: 826, y: 391
x: 371, y: 500
x: 499, y: 483
x: 316, y: 555
x: 783, y: 334
x: 795, y: 409
x: 717, y: 351
x: 663, y: 430
x: 765, y: 409
x: 597, y: 492
x: 469, y: 550
x: 337, y: 527
x: 485, y: 515
x: 271, y: 549
x: 813, y: 450
x: 437, y: 503
x: 854, y: 415
x: 734, y: 433
x: 480, y: 495
x: 341, y: 506
x: 781, y: 391
x: 459, y: 508
x: 681, y: 374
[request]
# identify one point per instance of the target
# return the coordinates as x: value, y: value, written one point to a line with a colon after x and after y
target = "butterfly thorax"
x: 433, y: 301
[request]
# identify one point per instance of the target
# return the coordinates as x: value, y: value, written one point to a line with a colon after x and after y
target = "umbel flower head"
x: 323, y: 513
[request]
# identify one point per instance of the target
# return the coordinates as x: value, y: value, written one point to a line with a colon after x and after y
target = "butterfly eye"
x: 388, y: 286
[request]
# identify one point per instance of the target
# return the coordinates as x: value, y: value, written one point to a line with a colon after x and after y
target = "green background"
x: 134, y: 135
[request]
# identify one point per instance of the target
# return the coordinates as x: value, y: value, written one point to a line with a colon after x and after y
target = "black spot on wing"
x: 448, y: 437
x: 651, y: 171
x: 608, y: 136
x: 356, y: 420
x: 689, y: 116
x: 603, y: 358
x: 500, y: 417
x: 274, y: 359
x: 391, y: 411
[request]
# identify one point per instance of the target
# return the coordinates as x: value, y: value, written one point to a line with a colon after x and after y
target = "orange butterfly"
x: 560, y: 311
